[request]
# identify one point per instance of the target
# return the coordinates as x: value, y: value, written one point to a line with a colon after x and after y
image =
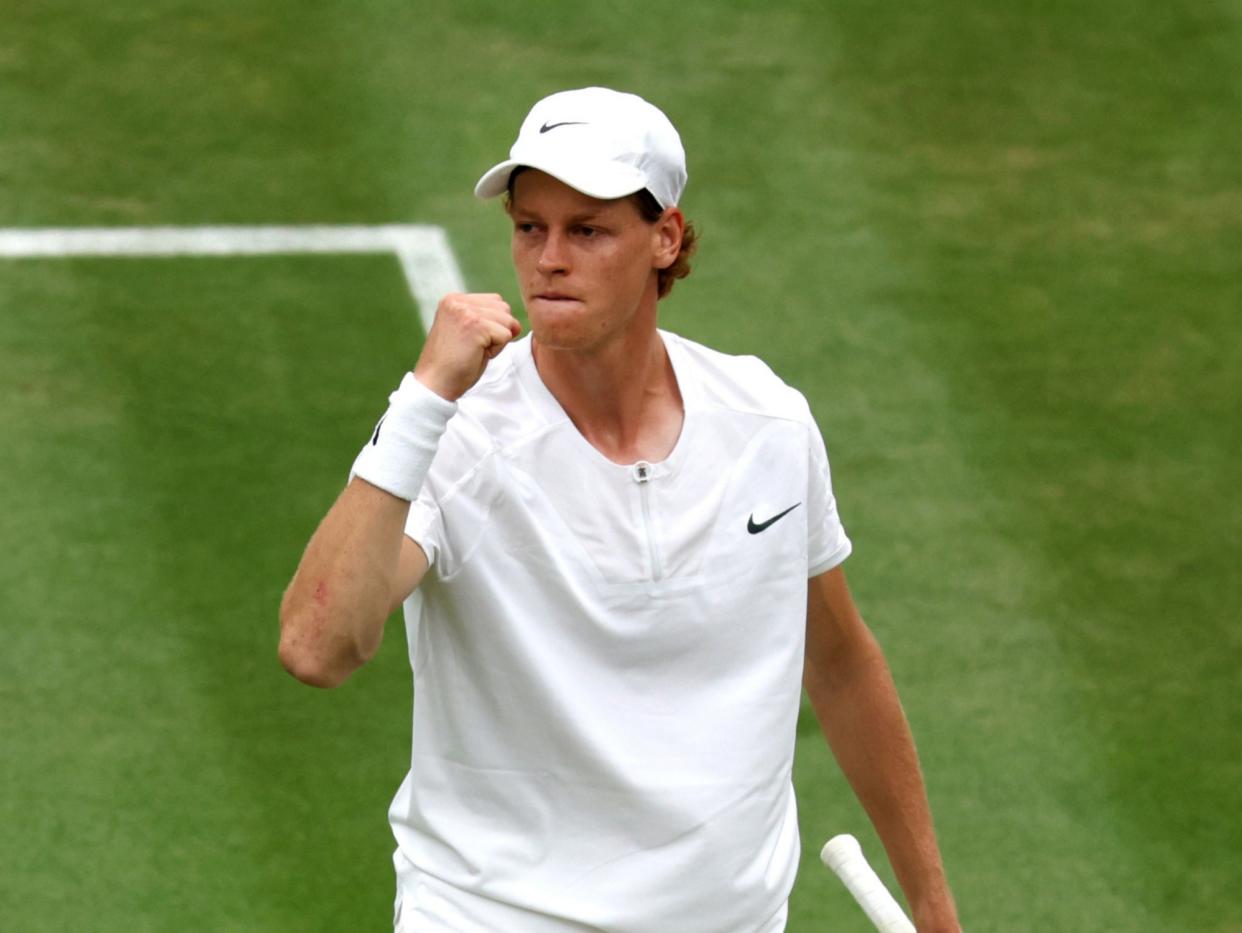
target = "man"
x: 627, y: 552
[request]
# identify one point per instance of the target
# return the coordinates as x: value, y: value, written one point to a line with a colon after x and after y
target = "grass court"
x: 997, y: 244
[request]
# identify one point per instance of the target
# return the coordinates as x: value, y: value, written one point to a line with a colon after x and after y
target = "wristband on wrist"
x: 400, y: 451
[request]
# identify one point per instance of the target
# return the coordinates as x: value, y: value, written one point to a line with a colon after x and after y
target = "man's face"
x: 586, y: 267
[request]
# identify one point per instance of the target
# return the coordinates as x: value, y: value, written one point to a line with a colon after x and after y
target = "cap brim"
x: 495, y: 180
x: 606, y: 182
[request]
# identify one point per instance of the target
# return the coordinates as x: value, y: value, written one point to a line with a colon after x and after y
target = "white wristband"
x: 400, y: 451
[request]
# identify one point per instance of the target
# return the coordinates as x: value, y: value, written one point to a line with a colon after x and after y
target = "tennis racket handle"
x: 844, y: 856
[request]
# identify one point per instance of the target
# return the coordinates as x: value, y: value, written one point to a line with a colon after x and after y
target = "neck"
x: 622, y: 397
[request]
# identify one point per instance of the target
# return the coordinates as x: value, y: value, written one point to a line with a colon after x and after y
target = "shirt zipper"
x: 641, y: 471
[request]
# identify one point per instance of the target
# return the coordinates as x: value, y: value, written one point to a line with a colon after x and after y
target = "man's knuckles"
x: 460, y: 299
x: 471, y: 313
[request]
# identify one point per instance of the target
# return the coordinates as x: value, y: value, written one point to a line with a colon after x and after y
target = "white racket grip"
x: 844, y: 856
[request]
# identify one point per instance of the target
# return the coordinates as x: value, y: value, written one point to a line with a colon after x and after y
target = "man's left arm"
x: 852, y: 693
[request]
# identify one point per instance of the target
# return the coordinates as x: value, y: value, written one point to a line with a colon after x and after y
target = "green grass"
x: 164, y: 765
x: 997, y: 245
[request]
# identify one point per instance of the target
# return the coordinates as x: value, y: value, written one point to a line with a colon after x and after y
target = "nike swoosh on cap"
x: 552, y: 126
x: 755, y: 527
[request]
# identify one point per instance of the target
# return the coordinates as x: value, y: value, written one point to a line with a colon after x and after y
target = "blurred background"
x: 997, y: 244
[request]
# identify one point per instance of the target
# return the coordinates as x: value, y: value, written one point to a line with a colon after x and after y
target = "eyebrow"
x: 593, y: 216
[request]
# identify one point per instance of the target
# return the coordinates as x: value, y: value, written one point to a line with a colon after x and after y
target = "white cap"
x: 603, y: 143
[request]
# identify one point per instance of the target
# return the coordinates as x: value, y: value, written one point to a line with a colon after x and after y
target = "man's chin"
x: 558, y: 331
x: 555, y: 338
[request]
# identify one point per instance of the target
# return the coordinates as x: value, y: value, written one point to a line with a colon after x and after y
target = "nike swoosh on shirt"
x: 375, y: 437
x: 755, y: 527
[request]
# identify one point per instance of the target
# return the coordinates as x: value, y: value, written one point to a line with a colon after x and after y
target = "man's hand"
x: 468, y: 331
x: 937, y: 914
x: 852, y: 692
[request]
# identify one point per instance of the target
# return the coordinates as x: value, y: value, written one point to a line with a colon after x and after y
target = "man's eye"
x: 588, y: 232
x: 525, y: 227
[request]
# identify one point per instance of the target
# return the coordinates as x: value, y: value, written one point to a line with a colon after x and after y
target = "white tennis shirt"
x: 608, y: 660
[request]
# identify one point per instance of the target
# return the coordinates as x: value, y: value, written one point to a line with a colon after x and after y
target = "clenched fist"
x: 468, y: 331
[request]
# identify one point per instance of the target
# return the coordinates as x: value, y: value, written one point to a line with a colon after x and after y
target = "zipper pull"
x: 641, y: 472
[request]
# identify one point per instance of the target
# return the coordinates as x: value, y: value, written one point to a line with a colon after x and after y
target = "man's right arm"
x: 357, y: 568
x: 359, y: 564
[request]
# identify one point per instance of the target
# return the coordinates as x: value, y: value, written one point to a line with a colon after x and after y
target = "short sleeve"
x: 422, y: 524
x: 827, y: 543
x: 450, y: 515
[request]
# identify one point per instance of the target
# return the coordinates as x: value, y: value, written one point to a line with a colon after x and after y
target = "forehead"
x: 538, y: 191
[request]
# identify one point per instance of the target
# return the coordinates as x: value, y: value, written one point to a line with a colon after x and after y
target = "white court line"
x: 426, y: 258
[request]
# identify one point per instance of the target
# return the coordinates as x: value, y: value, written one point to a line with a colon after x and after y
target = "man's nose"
x: 553, y: 257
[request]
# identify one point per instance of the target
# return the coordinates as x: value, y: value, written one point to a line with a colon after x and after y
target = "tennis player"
x: 620, y: 559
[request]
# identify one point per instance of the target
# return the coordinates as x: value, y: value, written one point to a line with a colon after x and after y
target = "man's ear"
x: 667, y: 233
